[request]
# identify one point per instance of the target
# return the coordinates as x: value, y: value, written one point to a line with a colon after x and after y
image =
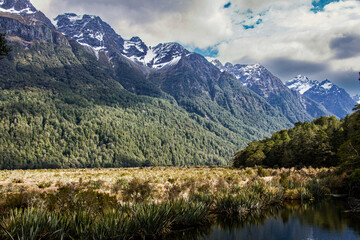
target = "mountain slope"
x: 335, y: 99
x: 201, y: 88
x: 62, y: 105
x: 179, y: 74
x: 261, y: 81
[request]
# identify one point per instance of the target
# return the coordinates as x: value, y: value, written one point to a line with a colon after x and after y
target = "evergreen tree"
x: 4, y: 48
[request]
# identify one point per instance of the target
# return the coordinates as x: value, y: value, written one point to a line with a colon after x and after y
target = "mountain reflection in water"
x: 322, y: 220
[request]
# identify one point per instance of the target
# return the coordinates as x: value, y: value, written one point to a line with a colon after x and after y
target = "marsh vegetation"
x: 146, y: 202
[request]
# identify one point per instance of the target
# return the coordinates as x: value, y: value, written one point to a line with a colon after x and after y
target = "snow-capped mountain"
x: 158, y: 57
x: 301, y: 84
x: 25, y: 10
x: 20, y: 18
x: 335, y: 99
x: 257, y: 78
x: 17, y: 6
x: 21, y: 7
x: 356, y: 98
x: 91, y: 32
x: 94, y: 33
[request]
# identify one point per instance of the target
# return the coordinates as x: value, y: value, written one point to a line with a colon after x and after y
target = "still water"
x: 325, y: 220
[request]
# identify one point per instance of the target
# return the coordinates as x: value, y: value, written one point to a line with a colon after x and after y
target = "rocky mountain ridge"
x: 260, y: 80
x: 335, y: 99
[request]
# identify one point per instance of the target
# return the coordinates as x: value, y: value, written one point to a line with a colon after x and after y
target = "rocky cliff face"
x: 21, y: 19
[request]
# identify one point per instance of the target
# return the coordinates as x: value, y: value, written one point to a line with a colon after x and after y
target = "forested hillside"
x: 326, y: 141
x: 63, y: 106
x: 40, y: 130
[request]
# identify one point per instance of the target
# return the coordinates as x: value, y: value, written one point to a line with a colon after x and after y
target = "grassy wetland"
x: 151, y: 203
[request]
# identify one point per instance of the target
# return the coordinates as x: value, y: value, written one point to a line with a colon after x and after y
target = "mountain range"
x: 335, y: 99
x: 80, y: 95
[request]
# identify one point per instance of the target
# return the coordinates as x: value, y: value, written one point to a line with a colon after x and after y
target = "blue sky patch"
x: 318, y: 5
x: 227, y: 5
x: 246, y: 27
x: 207, y: 52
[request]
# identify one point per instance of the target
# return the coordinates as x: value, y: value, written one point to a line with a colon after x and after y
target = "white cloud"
x: 294, y: 33
x: 192, y: 22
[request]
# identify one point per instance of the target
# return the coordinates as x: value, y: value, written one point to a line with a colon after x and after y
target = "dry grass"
x: 157, y: 183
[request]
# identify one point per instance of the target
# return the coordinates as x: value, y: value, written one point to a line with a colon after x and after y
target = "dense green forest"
x: 61, y: 107
x: 326, y: 141
x: 39, y: 130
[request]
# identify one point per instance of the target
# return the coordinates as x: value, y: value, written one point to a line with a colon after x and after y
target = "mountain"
x: 260, y: 80
x: 178, y: 74
x: 335, y: 99
x: 105, y: 101
x: 24, y: 11
x: 91, y: 31
x: 301, y: 84
x: 63, y: 107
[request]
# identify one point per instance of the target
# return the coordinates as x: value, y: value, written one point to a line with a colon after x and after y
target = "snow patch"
x: 75, y: 18
x: 150, y: 55
x: 96, y: 50
x: 173, y: 62
x: 137, y: 45
x: 12, y: 10
x: 327, y: 85
x: 301, y: 84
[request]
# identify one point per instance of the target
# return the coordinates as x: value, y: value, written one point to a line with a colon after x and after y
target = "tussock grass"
x: 143, y: 202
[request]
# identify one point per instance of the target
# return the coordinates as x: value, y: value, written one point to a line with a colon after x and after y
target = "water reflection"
x: 323, y: 220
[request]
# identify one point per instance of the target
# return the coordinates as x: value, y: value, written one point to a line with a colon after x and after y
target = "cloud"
x: 191, y: 22
x: 285, y: 68
x: 346, y: 46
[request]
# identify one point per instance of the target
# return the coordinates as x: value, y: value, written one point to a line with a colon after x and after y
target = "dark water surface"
x: 325, y: 220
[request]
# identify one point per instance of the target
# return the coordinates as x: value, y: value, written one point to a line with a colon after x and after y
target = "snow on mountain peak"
x: 158, y: 57
x: 301, y: 84
x: 326, y: 84
x: 92, y: 32
x: 17, y: 7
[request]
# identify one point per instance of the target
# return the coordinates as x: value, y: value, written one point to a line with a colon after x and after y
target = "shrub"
x: 138, y: 190
x: 44, y: 184
x: 262, y: 172
x: 284, y: 180
x: 354, y: 182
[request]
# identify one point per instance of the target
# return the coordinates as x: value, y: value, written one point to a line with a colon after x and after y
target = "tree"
x: 4, y: 48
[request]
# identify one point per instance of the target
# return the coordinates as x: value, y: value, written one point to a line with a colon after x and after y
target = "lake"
x: 323, y: 220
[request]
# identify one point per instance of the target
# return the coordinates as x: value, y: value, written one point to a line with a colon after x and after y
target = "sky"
x: 316, y: 38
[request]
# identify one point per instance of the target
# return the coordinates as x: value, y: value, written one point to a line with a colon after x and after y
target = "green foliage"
x: 62, y: 109
x: 138, y: 190
x: 262, y: 172
x: 284, y: 181
x: 4, y: 48
x: 307, y: 144
x: 39, y: 130
x: 354, y: 181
